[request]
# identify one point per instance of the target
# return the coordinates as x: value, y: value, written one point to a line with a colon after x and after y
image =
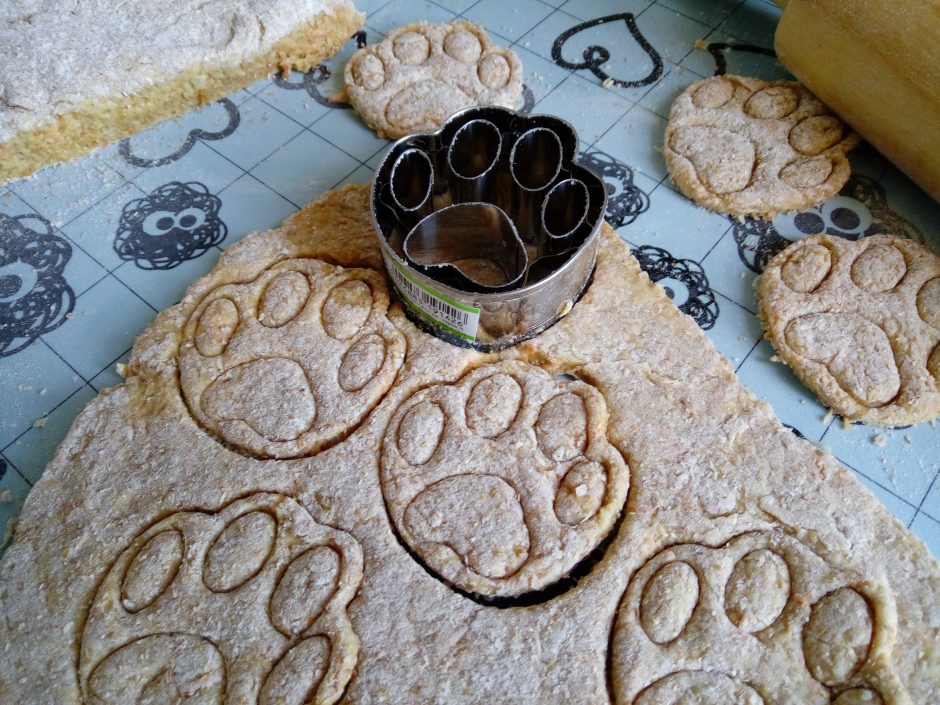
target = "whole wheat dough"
x: 78, y: 74
x: 859, y: 323
x: 645, y: 532
x: 751, y: 148
x: 422, y: 73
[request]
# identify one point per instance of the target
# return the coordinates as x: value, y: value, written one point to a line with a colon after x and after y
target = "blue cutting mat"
x: 81, y: 234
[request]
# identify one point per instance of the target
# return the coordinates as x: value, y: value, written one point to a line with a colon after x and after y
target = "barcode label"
x: 455, y: 317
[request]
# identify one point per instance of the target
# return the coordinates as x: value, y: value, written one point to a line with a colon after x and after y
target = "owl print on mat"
x: 861, y: 209
x: 177, y: 222
x: 625, y: 200
x: 34, y: 295
x: 684, y: 282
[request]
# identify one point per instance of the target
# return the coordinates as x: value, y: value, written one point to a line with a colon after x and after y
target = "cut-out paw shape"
x: 423, y: 73
x: 761, y: 620
x: 246, y: 604
x: 291, y: 362
x: 177, y: 222
x: 157, y: 146
x: 503, y: 482
x: 860, y: 209
x: 34, y: 295
x: 747, y: 147
x: 859, y: 323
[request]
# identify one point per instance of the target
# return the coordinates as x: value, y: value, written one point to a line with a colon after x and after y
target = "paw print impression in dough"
x: 423, y: 73
x: 503, y: 482
x: 747, y: 147
x: 761, y: 620
x: 291, y: 362
x: 859, y: 323
x: 246, y: 604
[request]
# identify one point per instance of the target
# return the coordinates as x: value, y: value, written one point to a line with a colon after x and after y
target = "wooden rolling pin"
x: 877, y: 64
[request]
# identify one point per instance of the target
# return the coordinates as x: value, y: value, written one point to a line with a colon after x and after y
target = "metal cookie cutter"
x: 488, y: 226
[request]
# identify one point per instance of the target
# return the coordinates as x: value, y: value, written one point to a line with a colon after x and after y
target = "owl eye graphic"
x: 175, y: 223
x: 34, y: 296
x: 684, y: 282
x: 860, y: 210
x: 842, y: 215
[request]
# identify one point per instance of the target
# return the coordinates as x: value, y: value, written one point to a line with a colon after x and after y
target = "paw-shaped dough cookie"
x: 859, y: 323
x: 502, y: 482
x: 423, y: 73
x: 747, y: 147
x: 761, y: 620
x: 246, y: 604
x: 291, y: 362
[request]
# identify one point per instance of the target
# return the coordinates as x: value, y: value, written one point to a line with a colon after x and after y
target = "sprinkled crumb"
x: 701, y: 44
x: 121, y: 369
x: 608, y: 83
x: 828, y: 417
x: 879, y: 440
x: 39, y: 423
x: 6, y: 496
x: 846, y: 424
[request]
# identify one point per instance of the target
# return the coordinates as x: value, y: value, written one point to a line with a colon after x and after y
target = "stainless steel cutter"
x: 488, y: 226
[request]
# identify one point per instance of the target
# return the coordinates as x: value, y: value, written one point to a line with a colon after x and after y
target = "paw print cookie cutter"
x: 291, y: 362
x: 760, y: 620
x: 503, y: 483
x: 246, y: 603
x: 489, y: 226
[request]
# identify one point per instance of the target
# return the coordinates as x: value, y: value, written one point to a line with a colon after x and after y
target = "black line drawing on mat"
x: 718, y: 50
x: 596, y: 56
x: 175, y: 223
x: 860, y: 209
x: 796, y: 432
x: 311, y: 80
x: 528, y: 100
x: 3, y: 468
x: 684, y: 281
x: 625, y: 200
x: 34, y: 295
x: 234, y: 118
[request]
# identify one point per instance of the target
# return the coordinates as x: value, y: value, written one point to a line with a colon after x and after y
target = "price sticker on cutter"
x: 454, y: 317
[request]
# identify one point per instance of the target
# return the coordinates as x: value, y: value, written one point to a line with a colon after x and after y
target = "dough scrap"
x: 160, y: 561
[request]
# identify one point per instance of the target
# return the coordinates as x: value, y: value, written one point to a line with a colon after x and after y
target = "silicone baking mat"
x: 102, y: 244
